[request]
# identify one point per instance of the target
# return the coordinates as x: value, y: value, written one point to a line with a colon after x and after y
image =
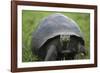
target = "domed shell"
x: 54, y: 25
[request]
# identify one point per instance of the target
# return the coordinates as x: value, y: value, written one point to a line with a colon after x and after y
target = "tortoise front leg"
x: 51, y: 53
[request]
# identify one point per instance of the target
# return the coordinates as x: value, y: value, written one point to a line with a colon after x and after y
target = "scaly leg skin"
x: 51, y: 53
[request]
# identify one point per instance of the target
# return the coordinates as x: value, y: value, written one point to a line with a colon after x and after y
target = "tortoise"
x: 58, y: 37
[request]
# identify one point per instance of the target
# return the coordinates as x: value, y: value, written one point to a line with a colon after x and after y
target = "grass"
x: 30, y: 20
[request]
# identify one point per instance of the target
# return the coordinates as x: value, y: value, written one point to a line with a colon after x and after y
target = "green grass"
x: 30, y: 20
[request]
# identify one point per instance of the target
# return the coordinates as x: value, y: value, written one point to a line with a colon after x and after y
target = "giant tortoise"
x: 58, y: 38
